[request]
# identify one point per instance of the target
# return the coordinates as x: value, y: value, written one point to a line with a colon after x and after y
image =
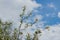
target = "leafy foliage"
x: 28, y: 37
x: 6, y: 32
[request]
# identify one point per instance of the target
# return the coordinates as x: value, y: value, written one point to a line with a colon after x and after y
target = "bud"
x: 47, y: 28
x: 36, y: 20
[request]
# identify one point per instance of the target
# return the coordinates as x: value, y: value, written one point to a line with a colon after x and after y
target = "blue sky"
x: 51, y: 11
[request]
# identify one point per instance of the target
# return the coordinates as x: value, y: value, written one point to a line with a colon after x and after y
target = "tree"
x: 6, y: 32
x: 28, y: 37
x: 36, y: 34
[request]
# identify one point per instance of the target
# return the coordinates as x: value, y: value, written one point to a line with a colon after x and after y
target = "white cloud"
x: 47, y: 15
x: 51, y: 15
x: 52, y: 34
x: 10, y: 9
x: 51, y: 5
x: 59, y: 14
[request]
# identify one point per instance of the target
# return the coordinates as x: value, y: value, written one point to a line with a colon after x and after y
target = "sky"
x: 50, y: 10
x: 47, y: 11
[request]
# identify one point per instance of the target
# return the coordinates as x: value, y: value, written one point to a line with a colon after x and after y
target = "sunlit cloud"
x: 59, y: 14
x: 51, y: 5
